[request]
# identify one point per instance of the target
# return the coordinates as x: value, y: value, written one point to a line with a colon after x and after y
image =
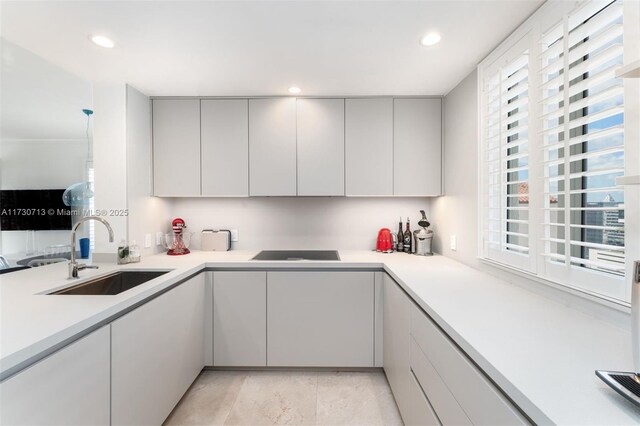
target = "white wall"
x: 299, y: 223
x: 110, y: 161
x: 456, y: 213
x: 147, y: 215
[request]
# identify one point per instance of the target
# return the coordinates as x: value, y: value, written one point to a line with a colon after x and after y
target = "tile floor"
x: 287, y: 397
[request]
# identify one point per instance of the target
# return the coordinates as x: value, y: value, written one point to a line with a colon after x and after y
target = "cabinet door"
x: 396, y: 338
x: 437, y: 392
x: 69, y: 387
x: 176, y: 147
x: 240, y: 319
x: 417, y: 147
x: 225, y: 147
x: 272, y: 147
x: 320, y: 319
x: 157, y: 351
x: 369, y: 146
x: 320, y: 127
x: 420, y: 410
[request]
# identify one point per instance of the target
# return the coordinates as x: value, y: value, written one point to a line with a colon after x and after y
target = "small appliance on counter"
x: 177, y: 242
x: 423, y: 237
x: 385, y: 241
x: 627, y: 383
x: 215, y: 240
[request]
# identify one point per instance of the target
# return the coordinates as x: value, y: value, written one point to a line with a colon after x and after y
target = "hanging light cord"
x: 88, y: 112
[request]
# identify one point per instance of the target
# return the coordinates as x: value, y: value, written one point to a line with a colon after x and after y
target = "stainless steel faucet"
x: 74, y: 266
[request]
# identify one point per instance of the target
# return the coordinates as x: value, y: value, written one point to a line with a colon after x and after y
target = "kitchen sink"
x: 111, y: 284
x: 290, y: 255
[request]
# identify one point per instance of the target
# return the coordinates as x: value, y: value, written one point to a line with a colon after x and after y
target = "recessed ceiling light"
x: 430, y: 39
x: 294, y: 89
x: 102, y: 41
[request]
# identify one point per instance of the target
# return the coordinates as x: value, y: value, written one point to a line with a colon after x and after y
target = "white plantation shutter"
x: 582, y: 143
x: 552, y: 129
x: 506, y: 161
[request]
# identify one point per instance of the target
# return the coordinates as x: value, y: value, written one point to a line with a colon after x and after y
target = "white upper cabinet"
x: 176, y: 147
x: 320, y: 127
x: 369, y: 146
x: 272, y: 147
x: 297, y: 147
x: 225, y: 147
x: 417, y: 147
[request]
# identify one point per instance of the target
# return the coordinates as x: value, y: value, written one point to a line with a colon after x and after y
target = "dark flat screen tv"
x: 33, y: 210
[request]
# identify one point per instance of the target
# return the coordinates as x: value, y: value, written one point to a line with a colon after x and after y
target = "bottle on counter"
x: 123, y: 252
x: 400, y: 243
x: 407, y: 243
x: 134, y: 252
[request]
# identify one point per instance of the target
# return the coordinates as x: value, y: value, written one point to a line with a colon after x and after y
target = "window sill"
x: 612, y: 303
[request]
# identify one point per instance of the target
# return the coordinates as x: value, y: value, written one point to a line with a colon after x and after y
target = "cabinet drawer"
x: 445, y: 405
x: 419, y: 411
x: 480, y: 400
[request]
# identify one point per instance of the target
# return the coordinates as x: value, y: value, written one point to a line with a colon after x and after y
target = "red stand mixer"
x: 177, y: 242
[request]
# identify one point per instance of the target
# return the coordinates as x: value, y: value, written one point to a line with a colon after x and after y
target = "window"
x: 553, y: 118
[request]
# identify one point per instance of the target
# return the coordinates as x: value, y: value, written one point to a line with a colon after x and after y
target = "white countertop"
x: 540, y: 352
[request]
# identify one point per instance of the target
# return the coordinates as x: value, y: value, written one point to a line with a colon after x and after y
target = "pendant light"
x: 78, y: 193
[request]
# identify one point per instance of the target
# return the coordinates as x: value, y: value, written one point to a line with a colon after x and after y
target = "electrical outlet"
x: 453, y: 243
x: 158, y: 238
x: 147, y: 240
x: 234, y: 235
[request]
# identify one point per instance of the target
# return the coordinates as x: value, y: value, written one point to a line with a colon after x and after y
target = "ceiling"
x: 253, y: 48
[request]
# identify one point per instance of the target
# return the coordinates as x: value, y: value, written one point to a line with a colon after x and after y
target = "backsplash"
x: 299, y: 223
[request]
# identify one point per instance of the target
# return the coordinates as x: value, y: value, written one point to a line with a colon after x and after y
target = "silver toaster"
x: 215, y: 240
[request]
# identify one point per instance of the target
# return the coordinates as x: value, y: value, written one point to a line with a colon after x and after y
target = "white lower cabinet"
x: 70, y: 386
x: 136, y: 369
x: 420, y: 412
x: 320, y: 319
x: 396, y: 346
x: 432, y: 381
x: 239, y: 319
x: 440, y: 398
x: 470, y: 391
x: 157, y: 350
